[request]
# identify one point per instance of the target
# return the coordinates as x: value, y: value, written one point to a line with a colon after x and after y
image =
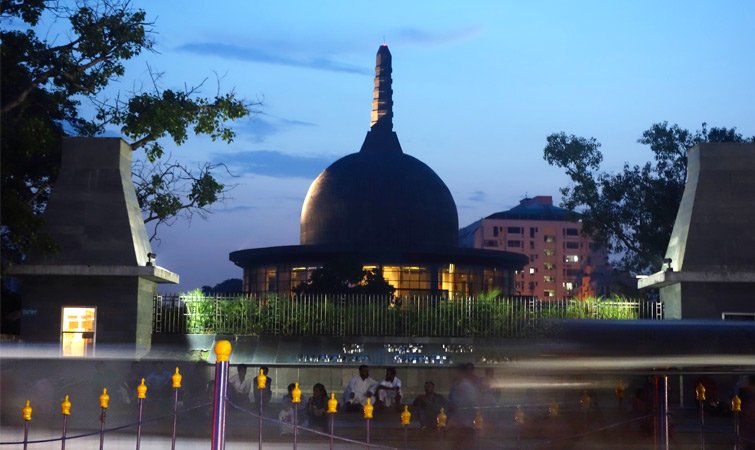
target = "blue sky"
x: 477, y: 88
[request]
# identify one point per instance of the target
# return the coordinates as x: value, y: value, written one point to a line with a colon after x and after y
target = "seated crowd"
x: 385, y: 395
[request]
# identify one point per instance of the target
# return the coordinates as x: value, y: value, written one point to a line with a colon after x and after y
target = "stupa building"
x: 386, y: 210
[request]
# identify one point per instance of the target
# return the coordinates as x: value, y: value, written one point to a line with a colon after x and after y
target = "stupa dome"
x: 380, y: 197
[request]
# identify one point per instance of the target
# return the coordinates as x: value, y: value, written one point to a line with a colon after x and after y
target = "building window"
x: 549, y: 252
x: 549, y: 278
x: 568, y: 285
x: 549, y: 238
x: 549, y: 266
x: 549, y: 293
x: 515, y: 230
x: 571, y: 232
x: 490, y: 243
x: 533, y: 269
x: 572, y: 245
x: 77, y: 331
x: 532, y: 245
x: 516, y: 244
x: 533, y: 232
x: 571, y: 258
x: 533, y: 257
x: 495, y: 231
x: 572, y: 272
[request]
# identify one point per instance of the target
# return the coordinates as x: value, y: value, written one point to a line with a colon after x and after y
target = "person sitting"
x: 427, y: 406
x: 288, y: 409
x: 388, y: 391
x: 358, y: 390
x: 317, y: 408
x: 264, y: 394
x: 240, y: 386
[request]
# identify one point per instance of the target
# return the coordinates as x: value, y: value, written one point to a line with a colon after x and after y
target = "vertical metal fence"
x: 364, y: 315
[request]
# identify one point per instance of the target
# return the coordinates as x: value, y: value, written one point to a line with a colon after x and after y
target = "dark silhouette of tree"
x: 229, y: 286
x: 631, y: 212
x: 46, y: 77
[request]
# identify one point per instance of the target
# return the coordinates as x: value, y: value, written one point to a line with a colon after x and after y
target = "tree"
x: 44, y: 84
x: 229, y: 286
x: 631, y: 212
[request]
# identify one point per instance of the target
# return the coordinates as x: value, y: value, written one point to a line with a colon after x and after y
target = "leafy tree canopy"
x: 631, y: 212
x: 52, y: 86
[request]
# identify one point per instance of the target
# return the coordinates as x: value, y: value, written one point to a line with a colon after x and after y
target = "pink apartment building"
x: 563, y: 263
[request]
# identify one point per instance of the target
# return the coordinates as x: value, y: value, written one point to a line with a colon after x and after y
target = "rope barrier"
x: 280, y: 422
x: 107, y: 430
x: 588, y: 433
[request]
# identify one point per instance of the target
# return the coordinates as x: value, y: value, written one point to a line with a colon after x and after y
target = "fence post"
x: 662, y: 386
x: 176, y: 380
x: 368, y: 408
x: 406, y: 418
x: 141, y: 394
x: 261, y: 383
x: 519, y: 421
x: 65, y: 409
x: 736, y: 408
x: 104, y: 400
x: 223, y: 351
x: 295, y: 400
x: 332, y: 408
x: 26, y: 414
x: 700, y: 397
x: 442, y: 421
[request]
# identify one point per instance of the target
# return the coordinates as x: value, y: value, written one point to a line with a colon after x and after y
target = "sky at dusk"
x: 477, y: 88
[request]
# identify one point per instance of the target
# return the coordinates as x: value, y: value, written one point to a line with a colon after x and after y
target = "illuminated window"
x: 571, y: 258
x: 549, y: 252
x: 549, y: 293
x: 533, y: 270
x: 549, y: 278
x: 549, y: 238
x: 568, y: 285
x: 549, y: 266
x: 77, y: 331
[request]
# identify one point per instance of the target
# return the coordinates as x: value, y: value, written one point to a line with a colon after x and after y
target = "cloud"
x: 276, y: 164
x: 234, y: 209
x: 477, y: 196
x: 261, y: 126
x: 253, y: 54
x: 416, y: 36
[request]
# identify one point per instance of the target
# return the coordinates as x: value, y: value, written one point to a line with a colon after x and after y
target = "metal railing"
x: 355, y: 315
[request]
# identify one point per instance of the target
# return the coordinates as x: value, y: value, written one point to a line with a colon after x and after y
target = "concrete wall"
x: 93, y: 214
x: 124, y: 308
